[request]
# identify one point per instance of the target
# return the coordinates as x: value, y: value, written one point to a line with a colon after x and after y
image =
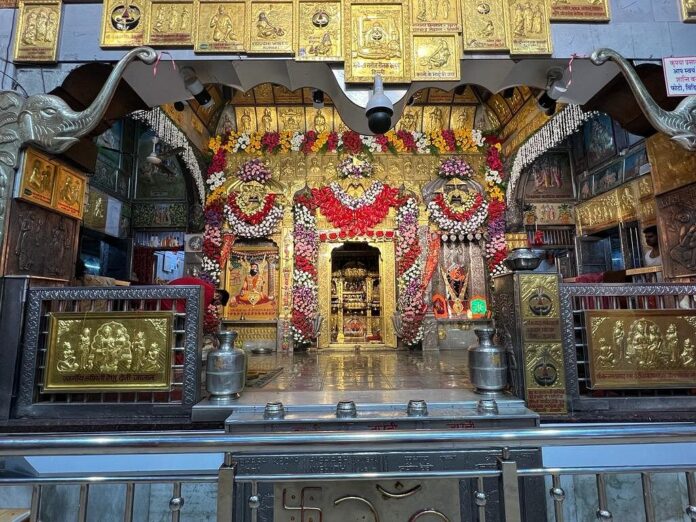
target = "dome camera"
x: 379, y: 110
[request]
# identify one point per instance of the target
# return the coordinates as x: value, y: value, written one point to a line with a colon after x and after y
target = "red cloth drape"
x: 144, y: 262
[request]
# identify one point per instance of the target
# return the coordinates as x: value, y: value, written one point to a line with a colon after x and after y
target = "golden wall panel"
x: 124, y: 25
x: 436, y: 57
x: 221, y: 27
x: 37, y: 30
x: 319, y: 31
x: 272, y: 27
x: 688, y: 10
x: 435, y: 16
x: 484, y: 27
x: 580, y: 10
x: 529, y: 27
x: 672, y: 166
x: 171, y: 23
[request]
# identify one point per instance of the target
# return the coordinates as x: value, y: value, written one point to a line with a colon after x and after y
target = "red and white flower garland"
x: 468, y: 222
x: 305, y: 301
x: 257, y: 225
x: 410, y: 303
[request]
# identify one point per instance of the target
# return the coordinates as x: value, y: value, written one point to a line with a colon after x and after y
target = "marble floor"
x: 365, y: 370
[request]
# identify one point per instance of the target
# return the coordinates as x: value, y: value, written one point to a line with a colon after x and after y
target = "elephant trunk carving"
x: 679, y: 124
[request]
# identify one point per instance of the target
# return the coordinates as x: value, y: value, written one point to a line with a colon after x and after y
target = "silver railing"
x: 234, y: 446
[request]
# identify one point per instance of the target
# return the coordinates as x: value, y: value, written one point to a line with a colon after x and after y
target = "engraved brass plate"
x: 539, y: 296
x: 319, y: 31
x: 221, y: 27
x: 271, y: 27
x: 98, y: 352
x: 38, y: 179
x: 688, y: 10
x: 435, y: 16
x: 436, y: 57
x: 124, y: 23
x: 528, y: 26
x: 38, y: 28
x: 642, y: 348
x: 580, y: 10
x: 677, y: 227
x: 69, y: 192
x: 672, y: 166
x: 484, y: 26
x: 629, y: 202
x: 377, y: 40
x: 171, y: 23
x: 545, y: 377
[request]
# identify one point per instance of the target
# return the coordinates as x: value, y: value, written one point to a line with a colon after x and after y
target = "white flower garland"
x: 470, y: 226
x: 263, y: 229
x: 365, y: 200
x: 215, y: 180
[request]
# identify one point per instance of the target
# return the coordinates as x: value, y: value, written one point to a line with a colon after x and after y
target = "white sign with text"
x: 680, y: 75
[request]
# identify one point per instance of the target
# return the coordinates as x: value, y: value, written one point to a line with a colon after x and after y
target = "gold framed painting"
x: 436, y: 57
x: 484, y: 27
x: 221, y: 27
x: 38, y: 30
x: 528, y: 27
x: 101, y: 352
x: 435, y: 16
x: 38, y: 179
x: 271, y: 27
x: 377, y: 40
x: 171, y: 23
x: 641, y: 348
x: 688, y: 10
x: 580, y: 11
x: 69, y: 192
x: 124, y: 23
x: 319, y: 31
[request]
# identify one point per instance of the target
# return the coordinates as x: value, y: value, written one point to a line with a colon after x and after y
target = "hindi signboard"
x: 680, y: 75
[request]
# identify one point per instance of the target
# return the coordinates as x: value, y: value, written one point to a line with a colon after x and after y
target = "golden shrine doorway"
x: 357, y: 294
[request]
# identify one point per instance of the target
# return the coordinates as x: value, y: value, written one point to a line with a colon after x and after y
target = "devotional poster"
x: 599, y: 140
x: 549, y: 178
x: 252, y: 281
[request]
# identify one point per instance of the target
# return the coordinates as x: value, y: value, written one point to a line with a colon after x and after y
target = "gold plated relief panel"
x: 171, y: 23
x: 436, y: 57
x: 377, y: 40
x: 38, y: 29
x: 124, y: 24
x: 628, y: 202
x: 580, y: 10
x: 319, y: 31
x: 528, y: 26
x: 221, y: 26
x: 642, y: 348
x: 272, y: 27
x: 435, y: 16
x: 93, y: 352
x: 671, y: 166
x: 484, y: 27
x: 688, y: 10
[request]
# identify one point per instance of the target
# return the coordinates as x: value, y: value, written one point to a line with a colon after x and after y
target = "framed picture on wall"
x: 549, y: 178
x: 585, y: 186
x: 600, y: 144
x: 69, y: 193
x: 609, y: 177
x: 38, y: 178
x: 635, y: 162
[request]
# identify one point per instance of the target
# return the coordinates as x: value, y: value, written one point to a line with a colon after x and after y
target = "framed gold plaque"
x: 436, y: 57
x: 291, y: 119
x: 462, y: 117
x: 38, y: 178
x: 688, y: 9
x: 246, y: 119
x: 69, y: 192
x: 221, y: 27
x: 319, y: 120
x: 484, y: 27
x: 171, y: 23
x: 319, y: 31
x: 271, y: 27
x: 435, y: 16
x: 377, y: 40
x: 528, y: 26
x: 100, y: 352
x: 641, y: 348
x: 124, y: 23
x: 580, y: 10
x: 267, y: 119
x: 38, y: 29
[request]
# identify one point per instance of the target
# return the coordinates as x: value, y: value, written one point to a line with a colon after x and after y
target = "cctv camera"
x: 379, y: 109
x: 195, y: 87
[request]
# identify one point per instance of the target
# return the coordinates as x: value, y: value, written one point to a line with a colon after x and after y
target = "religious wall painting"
x: 544, y: 213
x: 38, y: 178
x: 688, y: 10
x: 608, y: 177
x: 484, y: 27
x: 641, y: 349
x: 69, y: 192
x: 377, y: 40
x: 252, y: 281
x: 435, y: 16
x: 271, y: 27
x: 677, y: 231
x: 580, y: 10
x: 38, y: 30
x: 528, y: 27
x: 636, y: 164
x: 319, y: 31
x: 171, y: 23
x: 549, y: 178
x: 436, y: 57
x: 124, y: 23
x: 599, y: 139
x: 585, y: 186
x: 93, y: 352
x: 160, y: 215
x: 221, y: 27
x: 227, y: 121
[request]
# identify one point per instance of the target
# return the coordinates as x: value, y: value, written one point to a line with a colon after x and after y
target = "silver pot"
x: 226, y: 369
x: 522, y: 259
x: 487, y: 363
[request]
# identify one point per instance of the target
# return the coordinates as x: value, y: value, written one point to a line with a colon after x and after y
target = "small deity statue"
x: 319, y: 122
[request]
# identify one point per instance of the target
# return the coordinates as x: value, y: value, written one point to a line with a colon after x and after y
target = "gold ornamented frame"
x: 318, y: 31
x: 124, y: 24
x: 38, y: 178
x: 484, y: 26
x: 69, y: 192
x: 172, y: 23
x: 101, y: 352
x: 449, y: 23
x: 580, y: 11
x: 271, y: 27
x: 436, y: 57
x: 630, y: 349
x: 395, y: 65
x: 528, y: 27
x: 218, y: 28
x: 688, y: 10
x: 38, y: 30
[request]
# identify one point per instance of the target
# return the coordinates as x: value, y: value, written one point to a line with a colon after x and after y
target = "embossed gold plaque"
x: 462, y: 116
x: 69, y: 192
x: 319, y: 120
x: 38, y: 178
x: 271, y: 27
x: 677, y: 227
x: 484, y: 25
x: 539, y: 296
x: 435, y: 117
x: 319, y: 31
x: 291, y: 119
x: 246, y: 119
x: 124, y: 23
x: 171, y: 23
x: 580, y: 10
x: 642, y: 348
x: 98, y: 352
x: 436, y: 57
x: 545, y: 377
x: 38, y: 28
x: 672, y: 166
x: 435, y: 16
x: 688, y: 9
x: 221, y: 27
x: 267, y: 119
x: 377, y: 40
x: 411, y: 120
x: 528, y: 26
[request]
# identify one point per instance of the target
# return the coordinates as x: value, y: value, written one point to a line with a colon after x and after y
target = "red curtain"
x: 144, y: 262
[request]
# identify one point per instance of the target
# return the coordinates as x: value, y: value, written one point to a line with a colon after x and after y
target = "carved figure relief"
x: 528, y: 26
x: 436, y: 57
x: 319, y: 31
x: 171, y: 23
x: 271, y: 27
x: 484, y: 25
x: 124, y: 23
x: 677, y: 226
x: 38, y: 28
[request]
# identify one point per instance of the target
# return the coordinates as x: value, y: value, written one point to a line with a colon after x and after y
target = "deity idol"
x: 253, y: 291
